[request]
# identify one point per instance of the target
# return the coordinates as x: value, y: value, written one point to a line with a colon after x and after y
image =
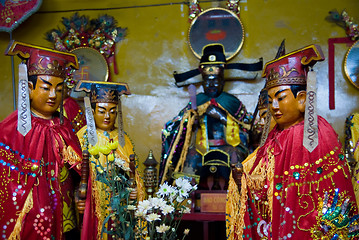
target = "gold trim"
x: 304, y: 60
x: 226, y: 164
x: 100, y: 57
x: 345, y: 64
x: 78, y: 87
x: 10, y: 51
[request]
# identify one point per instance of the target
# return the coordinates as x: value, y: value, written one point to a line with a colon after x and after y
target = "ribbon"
x: 121, y: 136
x: 91, y: 127
x: 23, y: 103
x: 310, y: 138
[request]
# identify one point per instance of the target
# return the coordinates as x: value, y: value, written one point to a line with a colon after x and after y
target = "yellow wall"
x: 156, y: 45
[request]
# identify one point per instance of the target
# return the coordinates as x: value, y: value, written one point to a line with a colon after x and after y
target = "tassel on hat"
x: 39, y: 61
x: 23, y: 102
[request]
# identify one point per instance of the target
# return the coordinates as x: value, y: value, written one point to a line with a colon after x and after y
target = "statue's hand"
x: 217, y: 113
x: 237, y: 171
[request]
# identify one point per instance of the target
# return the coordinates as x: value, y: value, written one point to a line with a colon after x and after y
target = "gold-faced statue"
x: 286, y: 83
x: 105, y: 115
x: 45, y: 95
x: 286, y: 109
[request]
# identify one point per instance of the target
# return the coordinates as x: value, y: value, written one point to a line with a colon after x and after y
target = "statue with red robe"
x: 37, y: 149
x: 297, y: 185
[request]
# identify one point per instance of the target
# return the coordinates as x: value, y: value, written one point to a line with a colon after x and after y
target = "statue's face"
x: 213, y: 79
x: 286, y: 109
x: 262, y: 117
x: 46, y: 97
x: 105, y: 116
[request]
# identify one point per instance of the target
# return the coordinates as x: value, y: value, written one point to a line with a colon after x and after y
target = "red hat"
x: 292, y: 68
x: 43, y: 61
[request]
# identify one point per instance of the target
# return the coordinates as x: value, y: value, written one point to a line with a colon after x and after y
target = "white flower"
x: 186, y: 210
x: 157, y: 202
x: 183, y: 193
x: 131, y: 207
x: 183, y: 184
x: 167, y: 209
x: 153, y: 217
x: 162, y: 228
x: 186, y: 231
x: 144, y: 206
x: 140, y: 213
x: 120, y: 162
x: 164, y: 190
x: 173, y: 194
x: 179, y: 199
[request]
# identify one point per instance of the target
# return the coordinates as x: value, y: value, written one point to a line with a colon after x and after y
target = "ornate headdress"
x: 43, y: 61
x: 215, y: 54
x: 106, y: 92
x: 101, y: 34
x: 39, y: 61
x: 293, y: 69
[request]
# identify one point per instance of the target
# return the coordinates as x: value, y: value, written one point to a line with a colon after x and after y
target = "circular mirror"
x: 216, y: 25
x: 351, y: 64
x: 92, y: 66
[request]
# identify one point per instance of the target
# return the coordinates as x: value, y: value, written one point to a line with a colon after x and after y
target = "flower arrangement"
x: 114, y: 173
x: 155, y: 218
x: 161, y: 215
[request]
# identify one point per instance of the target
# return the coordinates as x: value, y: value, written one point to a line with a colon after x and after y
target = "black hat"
x: 103, y: 91
x: 213, y: 54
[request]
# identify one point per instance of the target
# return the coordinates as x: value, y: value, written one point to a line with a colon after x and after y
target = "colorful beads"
x: 296, y: 175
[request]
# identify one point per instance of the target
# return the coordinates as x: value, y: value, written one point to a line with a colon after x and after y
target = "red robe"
x: 282, y: 193
x: 74, y: 113
x: 31, y: 199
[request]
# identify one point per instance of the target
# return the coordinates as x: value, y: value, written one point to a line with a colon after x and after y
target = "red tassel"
x: 213, y: 102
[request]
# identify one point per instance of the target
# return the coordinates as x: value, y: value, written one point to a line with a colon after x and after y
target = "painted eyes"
x: 104, y: 112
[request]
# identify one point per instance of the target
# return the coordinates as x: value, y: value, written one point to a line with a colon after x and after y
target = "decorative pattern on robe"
x: 74, y: 113
x: 283, y: 186
x: 352, y: 149
x: 32, y: 197
x: 176, y: 134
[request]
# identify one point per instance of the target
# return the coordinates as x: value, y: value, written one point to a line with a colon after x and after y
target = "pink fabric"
x: 294, y: 209
x: 32, y: 163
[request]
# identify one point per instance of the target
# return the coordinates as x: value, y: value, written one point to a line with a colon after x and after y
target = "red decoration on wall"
x: 13, y: 13
x: 331, y: 67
